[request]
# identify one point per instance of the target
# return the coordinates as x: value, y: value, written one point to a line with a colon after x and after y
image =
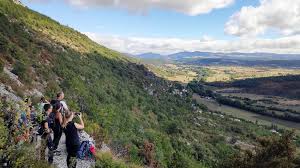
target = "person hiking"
x: 60, y: 97
x: 72, y: 138
x: 42, y: 103
x: 46, y: 140
x: 60, y: 100
x: 58, y: 121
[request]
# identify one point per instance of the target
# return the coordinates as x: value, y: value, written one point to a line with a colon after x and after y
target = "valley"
x: 246, y: 115
x: 213, y: 73
x: 186, y: 110
x: 262, y: 95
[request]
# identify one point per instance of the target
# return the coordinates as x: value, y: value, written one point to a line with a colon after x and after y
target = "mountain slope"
x: 124, y: 103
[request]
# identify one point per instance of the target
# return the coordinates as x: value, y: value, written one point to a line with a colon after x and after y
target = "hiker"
x: 33, y: 115
x: 60, y: 97
x: 57, y: 127
x: 46, y: 140
x: 42, y: 102
x: 72, y: 138
x: 28, y: 111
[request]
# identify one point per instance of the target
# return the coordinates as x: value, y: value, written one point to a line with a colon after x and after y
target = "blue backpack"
x: 84, y: 152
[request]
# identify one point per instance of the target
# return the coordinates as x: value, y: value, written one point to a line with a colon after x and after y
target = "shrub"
x: 106, y: 160
x: 276, y: 152
x: 22, y: 71
x: 12, y: 153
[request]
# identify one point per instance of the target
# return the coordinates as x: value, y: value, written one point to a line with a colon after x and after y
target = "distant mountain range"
x: 150, y: 55
x: 224, y: 59
x: 235, y: 55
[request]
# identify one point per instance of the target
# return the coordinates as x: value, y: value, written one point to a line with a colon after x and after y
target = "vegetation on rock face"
x: 106, y: 160
x: 15, y: 148
x: 123, y: 102
x: 275, y: 152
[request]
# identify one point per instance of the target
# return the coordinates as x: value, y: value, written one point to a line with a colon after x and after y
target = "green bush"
x: 106, y: 160
x: 15, y: 154
x: 22, y: 71
x: 275, y: 152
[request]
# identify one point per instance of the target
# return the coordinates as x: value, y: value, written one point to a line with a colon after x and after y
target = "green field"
x: 187, y: 73
x: 230, y: 73
x: 261, y: 119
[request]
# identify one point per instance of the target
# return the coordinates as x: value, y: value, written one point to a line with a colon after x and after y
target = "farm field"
x: 187, y: 73
x: 174, y: 72
x: 230, y: 73
x: 261, y: 119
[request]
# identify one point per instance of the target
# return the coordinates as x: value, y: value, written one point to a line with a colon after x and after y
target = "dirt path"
x: 61, y: 160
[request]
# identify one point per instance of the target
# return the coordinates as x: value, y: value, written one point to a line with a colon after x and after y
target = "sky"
x: 169, y: 26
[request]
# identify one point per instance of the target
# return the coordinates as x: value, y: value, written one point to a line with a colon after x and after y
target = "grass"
x: 230, y: 73
x: 263, y: 120
x: 173, y: 72
x: 187, y: 73
x: 107, y: 160
x: 269, y: 101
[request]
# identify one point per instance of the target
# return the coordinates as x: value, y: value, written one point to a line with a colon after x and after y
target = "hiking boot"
x: 57, y: 153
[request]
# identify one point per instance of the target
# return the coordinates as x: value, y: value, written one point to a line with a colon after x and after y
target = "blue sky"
x: 155, y: 23
x: 111, y: 23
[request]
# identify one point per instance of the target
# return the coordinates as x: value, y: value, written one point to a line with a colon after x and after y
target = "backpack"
x: 51, y: 122
x: 41, y: 129
x: 85, y: 150
x: 53, y: 102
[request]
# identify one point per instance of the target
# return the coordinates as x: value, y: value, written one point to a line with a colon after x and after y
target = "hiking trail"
x: 59, y: 161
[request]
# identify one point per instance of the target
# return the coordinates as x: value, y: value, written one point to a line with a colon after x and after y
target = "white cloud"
x: 137, y: 45
x: 279, y: 15
x: 189, y: 7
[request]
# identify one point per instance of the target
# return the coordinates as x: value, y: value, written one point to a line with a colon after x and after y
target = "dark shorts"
x: 72, y: 150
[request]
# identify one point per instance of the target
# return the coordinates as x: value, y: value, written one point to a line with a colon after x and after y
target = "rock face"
x: 12, y: 76
x: 6, y: 91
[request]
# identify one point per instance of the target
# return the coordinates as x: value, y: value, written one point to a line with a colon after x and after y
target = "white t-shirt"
x: 64, y: 104
x: 41, y: 106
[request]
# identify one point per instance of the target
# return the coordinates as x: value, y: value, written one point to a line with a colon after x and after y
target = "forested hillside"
x: 124, y: 104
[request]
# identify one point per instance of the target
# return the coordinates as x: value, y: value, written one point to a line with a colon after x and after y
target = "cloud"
x: 279, y: 15
x: 189, y: 7
x: 138, y: 45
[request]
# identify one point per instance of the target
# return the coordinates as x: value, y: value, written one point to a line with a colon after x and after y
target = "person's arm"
x: 81, y: 125
x: 60, y: 118
x: 47, y: 130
